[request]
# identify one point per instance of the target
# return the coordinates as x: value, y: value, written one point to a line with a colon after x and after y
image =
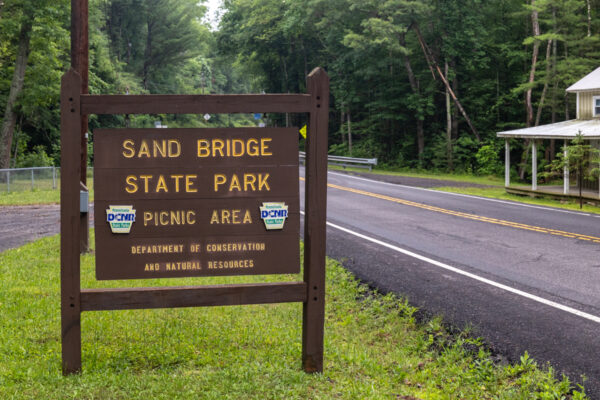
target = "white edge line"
x: 470, y: 275
x: 468, y: 195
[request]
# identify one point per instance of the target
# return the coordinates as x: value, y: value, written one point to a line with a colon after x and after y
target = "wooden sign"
x: 196, y: 202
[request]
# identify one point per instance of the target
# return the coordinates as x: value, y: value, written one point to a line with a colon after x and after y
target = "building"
x: 587, y: 122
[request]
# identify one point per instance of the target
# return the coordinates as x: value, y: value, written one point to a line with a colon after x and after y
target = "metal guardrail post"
x: 53, y: 177
x: 32, y: 180
x: 7, y: 181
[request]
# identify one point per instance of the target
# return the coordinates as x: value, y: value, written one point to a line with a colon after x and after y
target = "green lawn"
x: 374, y: 349
x: 500, y: 193
x: 36, y: 196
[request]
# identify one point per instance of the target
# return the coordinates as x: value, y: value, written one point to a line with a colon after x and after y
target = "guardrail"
x: 346, y: 161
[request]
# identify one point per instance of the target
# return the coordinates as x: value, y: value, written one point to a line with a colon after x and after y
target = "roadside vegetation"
x: 374, y: 348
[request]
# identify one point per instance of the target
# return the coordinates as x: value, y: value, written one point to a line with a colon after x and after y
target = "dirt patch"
x: 22, y: 224
x: 412, y: 181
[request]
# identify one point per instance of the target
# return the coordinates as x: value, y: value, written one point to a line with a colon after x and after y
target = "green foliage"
x: 36, y: 158
x: 488, y: 160
x: 161, y: 46
x: 580, y: 157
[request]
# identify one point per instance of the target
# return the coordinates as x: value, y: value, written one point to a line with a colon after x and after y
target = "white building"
x: 587, y: 122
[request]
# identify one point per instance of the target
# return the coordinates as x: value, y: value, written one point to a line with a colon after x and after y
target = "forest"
x: 422, y: 84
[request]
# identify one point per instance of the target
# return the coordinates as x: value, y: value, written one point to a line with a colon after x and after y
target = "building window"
x: 596, y: 106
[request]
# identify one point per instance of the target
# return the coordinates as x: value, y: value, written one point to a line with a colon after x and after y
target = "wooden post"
x: 506, y: 163
x: 70, y: 129
x: 80, y: 63
x: 533, y: 165
x: 315, y: 222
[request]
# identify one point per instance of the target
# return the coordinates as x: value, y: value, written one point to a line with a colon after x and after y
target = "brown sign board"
x: 185, y: 223
x: 196, y: 202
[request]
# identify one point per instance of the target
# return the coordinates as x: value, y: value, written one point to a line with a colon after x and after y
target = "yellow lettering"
x: 160, y: 148
x: 240, y: 151
x: 176, y: 179
x: 147, y: 217
x: 263, y: 182
x: 145, y: 178
x: 264, y: 146
x: 252, y: 145
x: 164, y: 221
x: 144, y: 150
x: 225, y: 216
x: 132, y: 186
x: 161, y: 184
x: 189, y: 182
x: 220, y: 179
x: 249, y: 180
x: 235, y: 217
x: 215, y: 217
x: 247, y: 217
x: 235, y: 183
x: 175, y: 218
x: 203, y: 148
x: 174, y: 148
x: 217, y: 145
x: 190, y: 217
x: 128, y: 145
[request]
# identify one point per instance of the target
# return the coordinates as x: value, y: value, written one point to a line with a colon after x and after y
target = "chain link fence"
x: 36, y: 178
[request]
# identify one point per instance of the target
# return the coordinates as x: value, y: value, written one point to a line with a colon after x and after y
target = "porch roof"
x: 590, y: 129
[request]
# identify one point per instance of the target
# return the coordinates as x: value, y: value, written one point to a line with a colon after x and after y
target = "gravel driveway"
x: 22, y: 224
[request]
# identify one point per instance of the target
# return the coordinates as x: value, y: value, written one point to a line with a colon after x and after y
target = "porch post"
x: 566, y: 172
x: 533, y: 165
x: 506, y: 163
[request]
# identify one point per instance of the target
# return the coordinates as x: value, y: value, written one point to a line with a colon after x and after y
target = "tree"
x: 16, y: 87
x: 577, y: 156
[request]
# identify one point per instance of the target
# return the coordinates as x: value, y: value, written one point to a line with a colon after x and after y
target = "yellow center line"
x: 467, y: 215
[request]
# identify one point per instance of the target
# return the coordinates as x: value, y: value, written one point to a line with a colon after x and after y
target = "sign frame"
x: 76, y: 106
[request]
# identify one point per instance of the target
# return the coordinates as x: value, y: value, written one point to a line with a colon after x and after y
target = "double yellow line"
x: 469, y: 216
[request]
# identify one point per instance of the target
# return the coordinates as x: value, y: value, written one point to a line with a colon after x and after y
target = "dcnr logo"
x: 120, y: 218
x: 274, y: 215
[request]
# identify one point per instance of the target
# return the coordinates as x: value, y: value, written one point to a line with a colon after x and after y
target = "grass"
x: 27, y: 196
x: 500, y: 193
x: 482, y: 180
x: 374, y: 349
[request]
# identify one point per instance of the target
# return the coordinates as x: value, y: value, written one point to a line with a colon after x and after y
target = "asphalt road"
x: 525, y: 278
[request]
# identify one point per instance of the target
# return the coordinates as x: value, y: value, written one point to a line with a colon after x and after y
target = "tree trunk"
x: 448, y: 124
x: 589, y: 18
x: 455, y: 112
x: 147, y: 56
x: 349, y: 132
x: 534, y: 55
x: 342, y: 125
x: 414, y: 84
x: 16, y: 86
x: 546, y: 82
x: 433, y: 65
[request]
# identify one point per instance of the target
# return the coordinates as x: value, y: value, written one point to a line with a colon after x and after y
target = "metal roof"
x: 590, y: 129
x: 589, y: 82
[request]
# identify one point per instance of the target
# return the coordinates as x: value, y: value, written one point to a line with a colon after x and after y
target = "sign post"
x: 196, y: 202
